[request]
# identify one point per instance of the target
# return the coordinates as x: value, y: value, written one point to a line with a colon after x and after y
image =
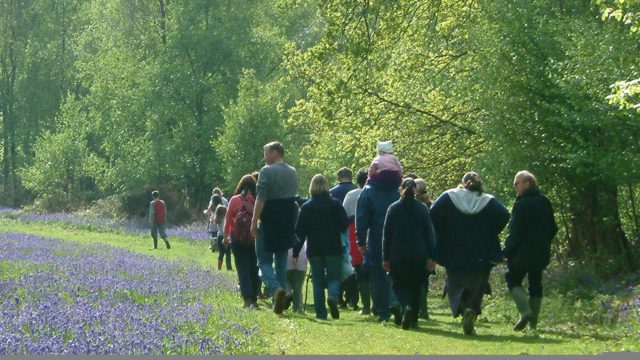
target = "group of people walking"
x: 376, y: 242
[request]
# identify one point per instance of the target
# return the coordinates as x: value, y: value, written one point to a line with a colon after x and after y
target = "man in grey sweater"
x: 277, y: 211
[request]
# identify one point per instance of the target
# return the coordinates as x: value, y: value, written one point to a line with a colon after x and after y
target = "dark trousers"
x: 362, y: 278
x: 465, y: 289
x: 224, y: 251
x: 247, y: 268
x: 514, y: 278
x: 350, y: 288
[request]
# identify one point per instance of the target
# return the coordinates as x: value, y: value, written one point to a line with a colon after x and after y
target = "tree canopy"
x: 119, y: 97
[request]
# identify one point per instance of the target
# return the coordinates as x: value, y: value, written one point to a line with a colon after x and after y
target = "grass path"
x: 354, y: 334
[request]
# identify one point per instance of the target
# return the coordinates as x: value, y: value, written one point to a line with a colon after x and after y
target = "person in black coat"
x: 528, y: 247
x: 467, y: 223
x: 408, y: 242
x: 320, y: 223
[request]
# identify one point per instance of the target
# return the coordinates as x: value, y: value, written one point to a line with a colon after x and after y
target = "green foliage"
x: 62, y: 169
x: 251, y: 122
x: 386, y: 71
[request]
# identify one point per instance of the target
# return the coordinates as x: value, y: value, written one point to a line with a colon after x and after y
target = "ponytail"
x: 408, y: 191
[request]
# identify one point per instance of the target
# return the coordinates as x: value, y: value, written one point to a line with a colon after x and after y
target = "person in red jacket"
x: 157, y: 219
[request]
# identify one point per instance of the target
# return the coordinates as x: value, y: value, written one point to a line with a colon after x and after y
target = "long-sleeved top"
x: 384, y: 162
x: 351, y: 201
x: 320, y: 223
x: 371, y: 210
x: 339, y: 191
x: 277, y: 181
x: 467, y: 225
x: 408, y: 232
x: 531, y: 231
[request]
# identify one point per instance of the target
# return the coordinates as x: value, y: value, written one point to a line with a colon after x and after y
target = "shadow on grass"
x: 598, y: 336
x: 487, y: 337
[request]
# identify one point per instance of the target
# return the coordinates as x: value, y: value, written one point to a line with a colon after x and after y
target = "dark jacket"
x: 320, y: 223
x: 278, y: 222
x: 531, y: 230
x: 371, y: 210
x: 339, y: 191
x: 408, y: 233
x: 468, y: 241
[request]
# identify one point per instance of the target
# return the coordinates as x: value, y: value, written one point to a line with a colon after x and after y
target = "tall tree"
x: 547, y: 67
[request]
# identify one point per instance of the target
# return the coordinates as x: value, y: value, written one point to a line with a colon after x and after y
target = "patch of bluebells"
x: 97, y: 299
x: 193, y: 232
x: 4, y: 209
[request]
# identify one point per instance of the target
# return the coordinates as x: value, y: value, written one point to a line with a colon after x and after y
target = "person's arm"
x: 262, y: 195
x: 152, y: 212
x: 301, y: 233
x: 436, y: 212
x: 232, y: 211
x: 517, y: 229
x: 429, y: 233
x: 388, y: 236
x: 164, y: 220
x: 363, y: 221
x: 343, y: 220
x: 502, y: 216
x: 257, y: 212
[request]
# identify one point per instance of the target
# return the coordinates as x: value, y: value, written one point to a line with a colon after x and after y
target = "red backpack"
x: 241, y: 230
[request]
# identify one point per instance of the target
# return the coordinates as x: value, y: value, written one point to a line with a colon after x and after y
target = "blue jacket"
x: 373, y: 202
x: 467, y: 226
x: 339, y: 191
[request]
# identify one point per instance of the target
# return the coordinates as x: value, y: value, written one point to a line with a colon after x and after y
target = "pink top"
x: 384, y: 162
x: 235, y: 203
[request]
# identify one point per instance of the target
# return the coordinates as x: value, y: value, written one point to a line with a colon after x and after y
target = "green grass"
x: 563, y: 330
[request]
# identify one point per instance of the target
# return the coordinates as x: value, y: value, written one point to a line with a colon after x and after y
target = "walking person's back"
x: 408, y: 244
x: 320, y: 223
x: 467, y: 223
x: 528, y: 246
x: 276, y: 209
x: 157, y: 219
x: 371, y: 209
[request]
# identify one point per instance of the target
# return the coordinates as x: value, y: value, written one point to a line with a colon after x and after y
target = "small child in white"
x: 296, y: 272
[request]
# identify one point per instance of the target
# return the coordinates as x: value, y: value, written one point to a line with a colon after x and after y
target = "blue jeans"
x: 273, y: 276
x: 325, y: 273
x: 382, y: 293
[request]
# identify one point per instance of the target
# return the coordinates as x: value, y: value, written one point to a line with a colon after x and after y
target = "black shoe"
x: 522, y: 323
x: 278, y: 304
x: 397, y: 315
x: 288, y: 300
x: 407, y: 319
x: 468, y: 321
x: 333, y: 308
x: 365, y: 312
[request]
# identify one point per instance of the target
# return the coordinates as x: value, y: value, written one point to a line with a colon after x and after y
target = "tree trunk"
x: 596, y: 229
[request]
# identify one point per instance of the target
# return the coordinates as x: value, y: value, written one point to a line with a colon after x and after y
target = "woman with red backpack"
x: 237, y: 233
